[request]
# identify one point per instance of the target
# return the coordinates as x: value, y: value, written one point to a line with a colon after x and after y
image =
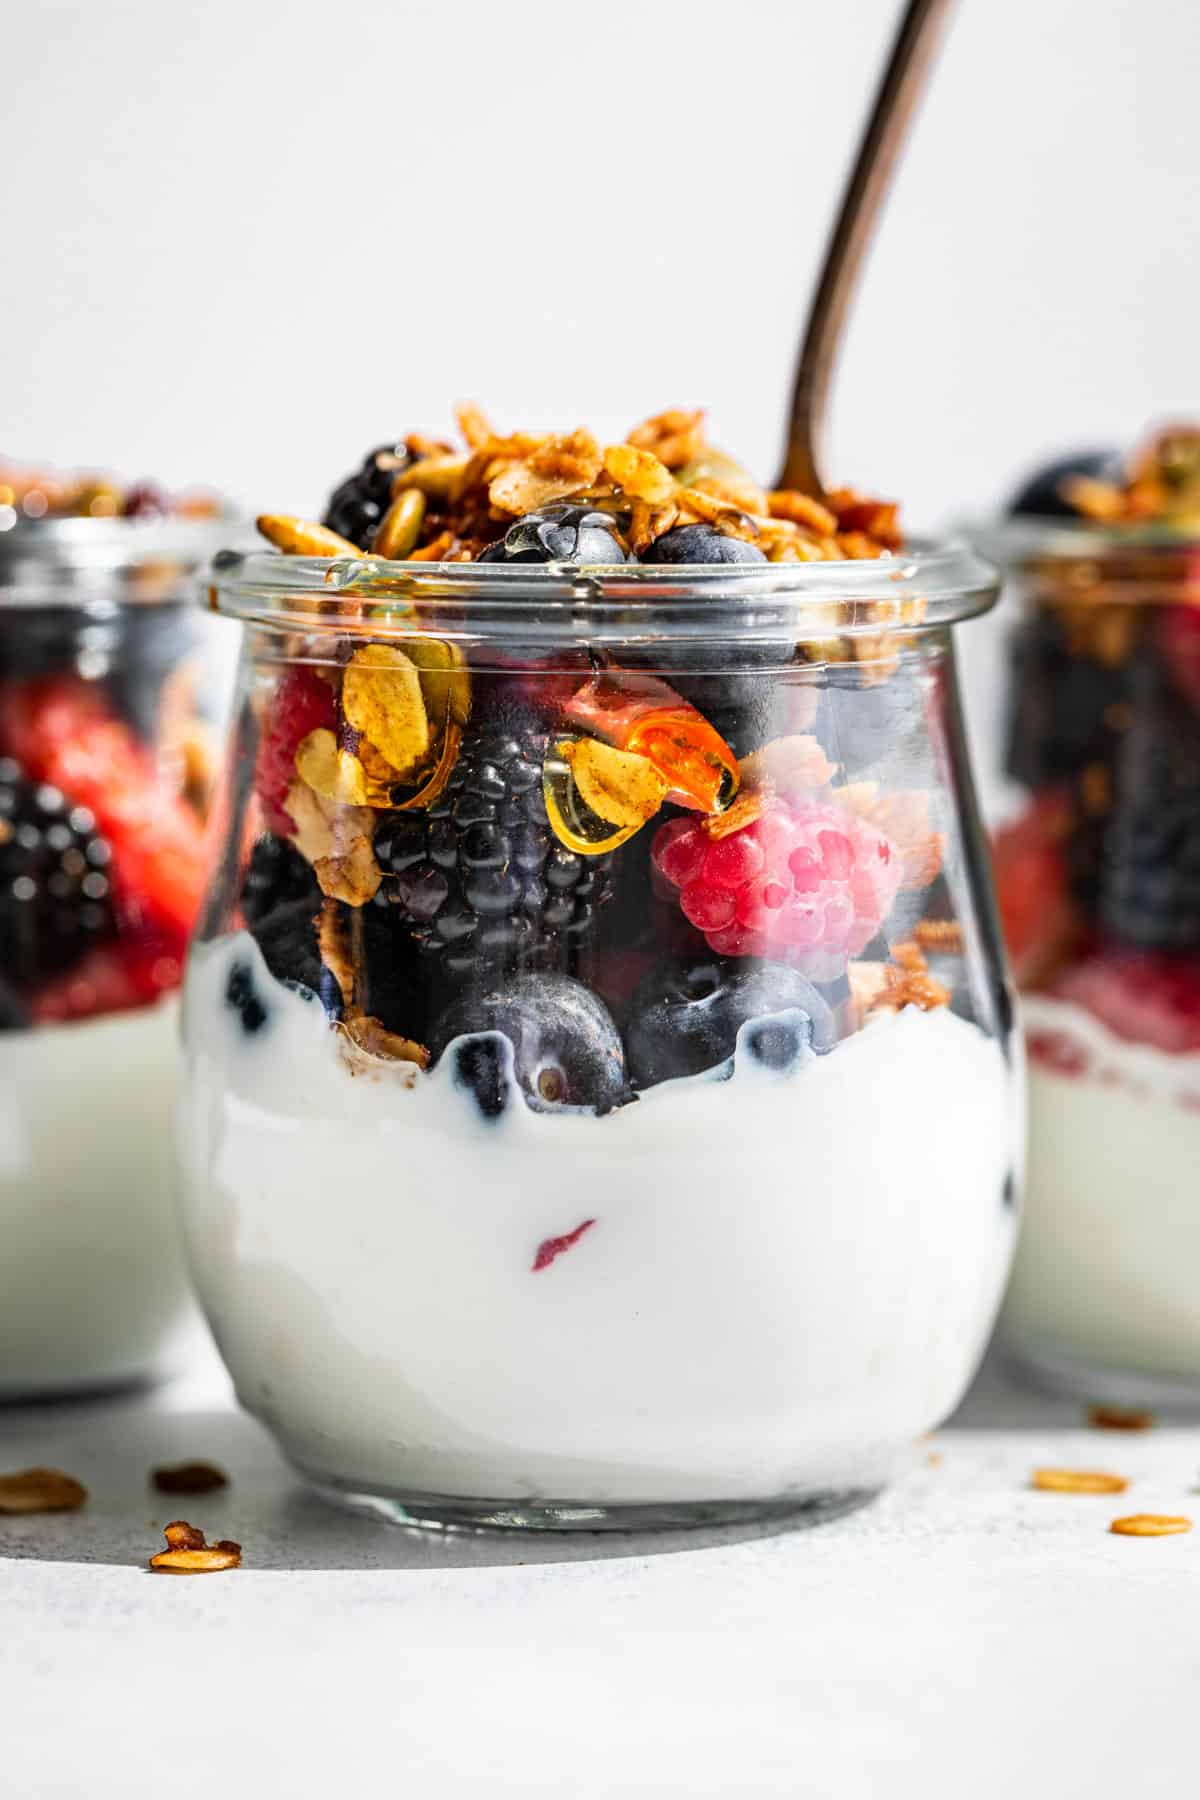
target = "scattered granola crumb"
x: 1078, y: 1481
x: 1119, y: 1418
x: 1150, y: 1525
x: 189, y: 1478
x: 39, y: 1491
x: 189, y: 1554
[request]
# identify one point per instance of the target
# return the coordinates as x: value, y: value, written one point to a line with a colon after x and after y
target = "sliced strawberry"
x: 1145, y: 997
x: 302, y: 702
x: 60, y: 729
x: 1036, y: 909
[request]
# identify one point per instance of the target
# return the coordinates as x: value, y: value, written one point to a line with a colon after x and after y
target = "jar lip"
x: 1017, y: 543
x: 78, y: 562
x: 926, y: 585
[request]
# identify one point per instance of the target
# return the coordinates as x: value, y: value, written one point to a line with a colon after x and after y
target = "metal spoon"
x: 903, y: 80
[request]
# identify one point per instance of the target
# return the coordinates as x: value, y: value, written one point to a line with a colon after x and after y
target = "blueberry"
x: 780, y: 1042
x: 1041, y: 497
x: 242, y: 995
x: 479, y: 1066
x: 686, y: 1019
x: 564, y: 533
x: 566, y: 1049
x: 276, y: 875
x: 701, y: 544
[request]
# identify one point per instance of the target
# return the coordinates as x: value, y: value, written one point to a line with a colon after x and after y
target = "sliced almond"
x: 639, y: 473
x: 382, y: 698
x: 188, y: 1553
x: 352, y: 876
x: 619, y: 787
x: 334, y: 774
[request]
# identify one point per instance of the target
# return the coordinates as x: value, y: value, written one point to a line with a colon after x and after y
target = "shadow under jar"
x: 601, y: 1101
x: 1099, y: 882
x: 106, y: 669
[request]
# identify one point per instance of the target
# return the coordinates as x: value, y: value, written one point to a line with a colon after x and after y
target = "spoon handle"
x: 899, y: 90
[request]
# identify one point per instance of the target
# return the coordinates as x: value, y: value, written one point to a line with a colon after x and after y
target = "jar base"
x: 451, y: 1512
x: 1099, y: 1384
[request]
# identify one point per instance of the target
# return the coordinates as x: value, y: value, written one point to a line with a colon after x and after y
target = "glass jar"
x: 104, y: 780
x: 601, y: 1101
x: 1099, y: 879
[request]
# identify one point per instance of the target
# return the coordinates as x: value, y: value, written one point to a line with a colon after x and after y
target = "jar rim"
x: 1018, y: 542
x: 927, y: 585
x: 81, y: 561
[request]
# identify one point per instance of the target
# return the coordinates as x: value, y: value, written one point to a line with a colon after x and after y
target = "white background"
x: 242, y: 243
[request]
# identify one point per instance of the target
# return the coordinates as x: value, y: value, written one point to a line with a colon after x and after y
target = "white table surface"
x: 964, y: 1636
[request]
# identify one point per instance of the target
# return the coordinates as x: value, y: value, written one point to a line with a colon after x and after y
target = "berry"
x: 480, y: 879
x: 145, y: 501
x: 1066, y: 706
x: 1145, y: 998
x: 62, y: 731
x: 563, y: 532
x: 1041, y: 496
x: 243, y: 997
x: 276, y: 875
x: 566, y: 1051
x: 114, y: 977
x: 55, y: 898
x: 302, y: 702
x: 356, y: 507
x: 701, y: 544
x: 287, y: 939
x: 807, y: 883
x: 685, y: 1020
x: 1036, y: 910
x: 1150, y: 869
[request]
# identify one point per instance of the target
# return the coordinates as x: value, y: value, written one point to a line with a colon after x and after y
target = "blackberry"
x: 480, y: 881
x: 356, y: 507
x: 1041, y: 496
x: 1067, y: 707
x: 276, y: 875
x: 55, y: 898
x: 1150, y: 874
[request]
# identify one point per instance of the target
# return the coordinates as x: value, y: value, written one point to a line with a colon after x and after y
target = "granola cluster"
x: 1160, y: 485
x: 452, y: 504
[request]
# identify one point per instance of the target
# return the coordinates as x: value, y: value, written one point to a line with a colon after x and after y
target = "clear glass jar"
x: 581, y: 1126
x: 109, y: 691
x: 1098, y: 872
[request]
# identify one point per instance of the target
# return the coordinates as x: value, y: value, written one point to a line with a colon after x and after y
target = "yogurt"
x: 1107, y: 1272
x: 746, y: 1284
x: 92, y: 1279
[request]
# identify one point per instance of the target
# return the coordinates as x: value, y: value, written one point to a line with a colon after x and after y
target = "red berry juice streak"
x: 549, y: 1248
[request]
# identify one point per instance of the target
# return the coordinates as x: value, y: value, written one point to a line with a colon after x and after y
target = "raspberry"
x: 1035, y: 904
x: 302, y: 703
x: 805, y: 883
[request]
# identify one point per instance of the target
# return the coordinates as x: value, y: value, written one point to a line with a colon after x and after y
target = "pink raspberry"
x: 302, y: 702
x: 806, y: 883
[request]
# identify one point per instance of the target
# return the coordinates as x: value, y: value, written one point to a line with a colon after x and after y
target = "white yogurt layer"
x: 1108, y: 1265
x: 788, y: 1276
x: 91, y: 1271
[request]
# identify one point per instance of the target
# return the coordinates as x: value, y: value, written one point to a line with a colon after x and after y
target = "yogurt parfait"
x: 104, y: 765
x: 1099, y: 880
x: 601, y: 1105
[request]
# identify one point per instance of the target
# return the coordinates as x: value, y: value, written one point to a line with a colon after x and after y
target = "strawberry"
x: 61, y: 731
x: 302, y: 702
x: 1143, y: 996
